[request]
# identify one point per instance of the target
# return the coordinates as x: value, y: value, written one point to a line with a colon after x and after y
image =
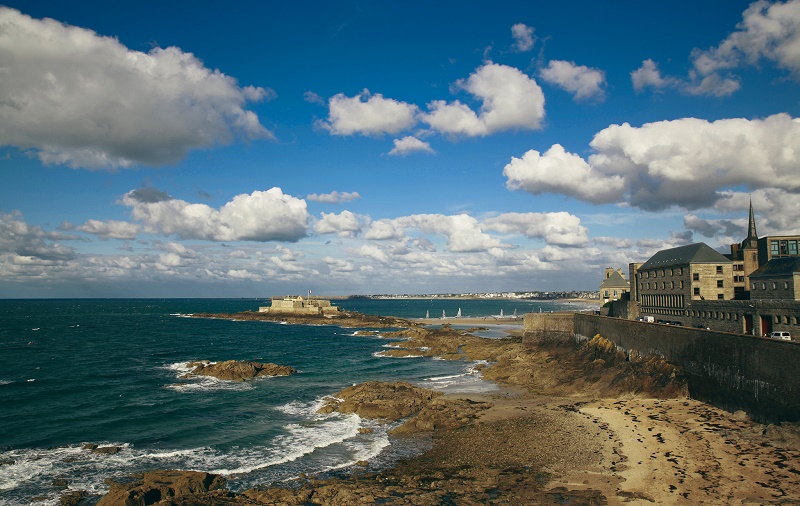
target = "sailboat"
x: 515, y: 314
x: 427, y: 314
x: 501, y: 314
x: 443, y: 315
x: 459, y: 313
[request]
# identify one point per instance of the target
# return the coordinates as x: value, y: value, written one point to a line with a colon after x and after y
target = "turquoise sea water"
x: 107, y: 372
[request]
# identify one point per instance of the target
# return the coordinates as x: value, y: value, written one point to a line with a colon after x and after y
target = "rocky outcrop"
x: 155, y: 486
x: 443, y: 414
x: 374, y: 399
x: 233, y: 370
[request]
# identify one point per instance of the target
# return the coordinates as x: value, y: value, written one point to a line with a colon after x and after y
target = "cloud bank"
x: 79, y: 99
x: 260, y: 216
x: 687, y: 163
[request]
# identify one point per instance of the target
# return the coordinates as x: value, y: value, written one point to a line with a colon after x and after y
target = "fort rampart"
x: 733, y: 371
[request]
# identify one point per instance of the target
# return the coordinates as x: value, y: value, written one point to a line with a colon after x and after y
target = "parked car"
x: 784, y: 336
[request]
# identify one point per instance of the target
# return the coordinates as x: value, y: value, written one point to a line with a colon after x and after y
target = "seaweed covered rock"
x: 375, y: 399
x: 155, y: 486
x: 234, y: 370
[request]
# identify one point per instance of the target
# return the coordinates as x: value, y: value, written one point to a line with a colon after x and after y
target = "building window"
x: 680, y: 271
x: 671, y: 272
x: 774, y: 285
x: 784, y: 247
x: 763, y: 286
x: 696, y: 277
x: 719, y: 269
x: 680, y: 283
x: 752, y: 286
x: 720, y: 283
x: 672, y: 284
x: 785, y: 285
x: 773, y: 248
x: 721, y: 296
x: 793, y: 247
x: 697, y: 291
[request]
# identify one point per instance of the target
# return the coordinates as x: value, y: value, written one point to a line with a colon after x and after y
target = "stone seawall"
x: 542, y: 328
x: 732, y: 371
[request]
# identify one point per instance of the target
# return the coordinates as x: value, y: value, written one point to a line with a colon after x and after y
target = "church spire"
x: 752, y: 235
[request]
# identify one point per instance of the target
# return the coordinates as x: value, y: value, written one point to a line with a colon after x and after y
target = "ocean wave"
x: 470, y: 380
x: 382, y: 354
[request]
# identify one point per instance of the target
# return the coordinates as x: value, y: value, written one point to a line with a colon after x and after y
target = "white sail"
x: 443, y: 315
x: 459, y: 313
x: 427, y: 314
x: 501, y: 313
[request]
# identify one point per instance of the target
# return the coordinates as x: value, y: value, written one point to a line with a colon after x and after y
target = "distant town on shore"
x: 532, y: 295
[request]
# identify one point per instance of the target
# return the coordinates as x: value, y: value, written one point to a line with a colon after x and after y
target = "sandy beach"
x: 571, y: 424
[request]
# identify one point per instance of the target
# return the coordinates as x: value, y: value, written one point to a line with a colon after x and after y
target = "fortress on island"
x: 299, y: 306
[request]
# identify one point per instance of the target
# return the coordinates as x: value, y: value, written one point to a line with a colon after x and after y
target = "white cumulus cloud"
x: 111, y: 229
x: 510, y: 100
x: 368, y: 114
x: 557, y: 171
x: 583, y: 82
x: 80, y: 99
x: 561, y: 228
x: 686, y: 162
x: 768, y: 30
x: 260, y: 216
x: 408, y: 145
x: 344, y: 224
x: 523, y: 37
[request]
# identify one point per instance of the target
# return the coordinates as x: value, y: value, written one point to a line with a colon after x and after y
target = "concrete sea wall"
x: 732, y: 371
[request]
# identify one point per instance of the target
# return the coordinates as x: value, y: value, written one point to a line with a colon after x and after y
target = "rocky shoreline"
x: 575, y: 423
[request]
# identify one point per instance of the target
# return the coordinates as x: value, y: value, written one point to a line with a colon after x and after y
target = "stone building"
x: 613, y: 286
x: 754, y: 290
x: 299, y: 306
x: 671, y: 279
x: 754, y: 252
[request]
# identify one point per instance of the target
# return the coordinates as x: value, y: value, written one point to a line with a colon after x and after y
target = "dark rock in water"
x: 155, y: 486
x: 60, y: 482
x: 106, y: 450
x: 73, y: 498
x: 235, y: 370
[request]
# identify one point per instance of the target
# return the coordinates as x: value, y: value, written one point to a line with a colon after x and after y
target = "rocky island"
x: 575, y: 423
x: 236, y: 370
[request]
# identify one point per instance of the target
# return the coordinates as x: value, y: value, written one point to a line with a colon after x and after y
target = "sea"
x: 78, y: 375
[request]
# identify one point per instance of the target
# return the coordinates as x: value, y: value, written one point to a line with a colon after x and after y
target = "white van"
x: 784, y: 336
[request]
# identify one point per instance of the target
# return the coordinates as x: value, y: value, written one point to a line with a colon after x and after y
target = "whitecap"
x: 301, y: 439
x: 382, y: 354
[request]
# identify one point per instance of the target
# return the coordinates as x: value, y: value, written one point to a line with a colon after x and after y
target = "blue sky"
x: 156, y: 149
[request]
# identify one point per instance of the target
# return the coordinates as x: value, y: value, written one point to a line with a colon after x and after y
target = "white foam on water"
x: 301, y: 439
x: 5, y: 382
x: 382, y: 354
x: 201, y: 383
x: 471, y: 380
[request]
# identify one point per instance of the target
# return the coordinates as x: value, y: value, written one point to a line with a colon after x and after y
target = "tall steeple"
x: 752, y: 235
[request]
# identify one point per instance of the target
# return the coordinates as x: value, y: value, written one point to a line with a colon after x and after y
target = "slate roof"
x: 777, y: 267
x: 614, y: 280
x: 697, y: 253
